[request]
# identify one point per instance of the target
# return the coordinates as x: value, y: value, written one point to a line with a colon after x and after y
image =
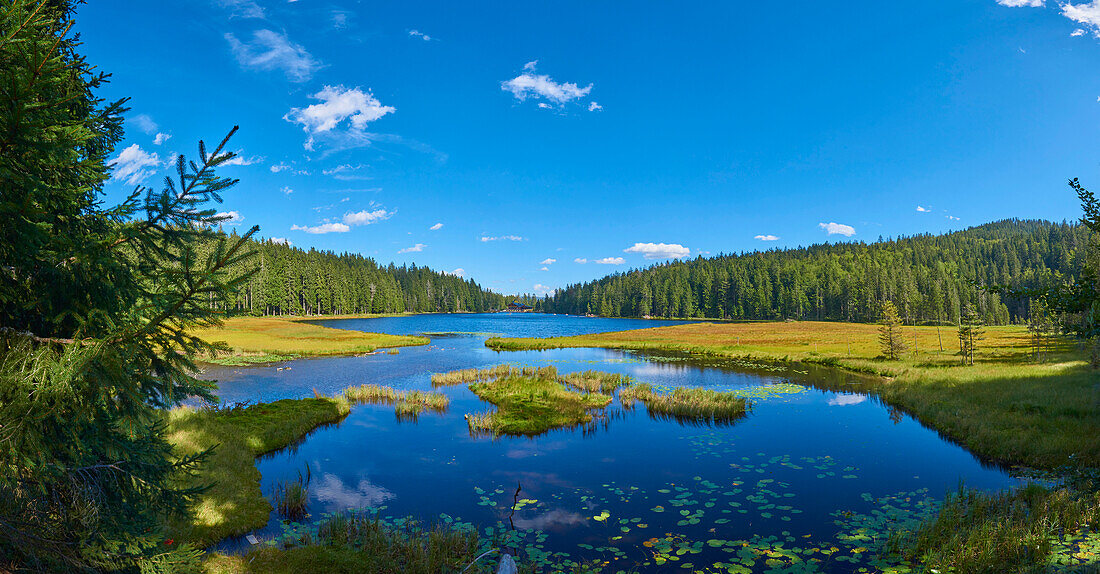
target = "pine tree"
x: 971, y: 332
x: 95, y: 303
x: 889, y: 332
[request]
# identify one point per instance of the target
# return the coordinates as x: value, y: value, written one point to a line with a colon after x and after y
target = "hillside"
x: 929, y: 277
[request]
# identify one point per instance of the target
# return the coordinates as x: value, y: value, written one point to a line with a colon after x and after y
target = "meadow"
x: 271, y: 339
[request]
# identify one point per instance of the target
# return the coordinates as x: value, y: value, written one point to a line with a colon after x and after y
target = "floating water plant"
x: 688, y: 405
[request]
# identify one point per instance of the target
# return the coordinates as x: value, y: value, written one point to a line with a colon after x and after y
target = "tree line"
x: 930, y: 278
x: 292, y: 281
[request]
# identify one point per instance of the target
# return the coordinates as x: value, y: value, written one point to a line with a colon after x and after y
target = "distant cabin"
x: 517, y: 307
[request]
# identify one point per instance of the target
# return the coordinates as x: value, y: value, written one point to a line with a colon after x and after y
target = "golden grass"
x: 687, y: 406
x: 261, y: 339
x: 1006, y: 408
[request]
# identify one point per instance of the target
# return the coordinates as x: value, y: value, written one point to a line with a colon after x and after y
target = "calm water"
x: 807, y: 472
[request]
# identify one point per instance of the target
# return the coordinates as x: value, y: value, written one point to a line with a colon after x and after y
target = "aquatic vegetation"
x: 373, y: 394
x: 407, y: 405
x: 688, y: 404
x: 596, y: 381
x: 464, y: 376
x: 530, y: 403
x: 1014, y: 531
x: 292, y: 497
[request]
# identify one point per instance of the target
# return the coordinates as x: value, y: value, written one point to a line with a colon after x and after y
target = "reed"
x: 464, y: 376
x: 373, y: 394
x: 597, y: 381
x: 292, y: 497
x: 688, y: 405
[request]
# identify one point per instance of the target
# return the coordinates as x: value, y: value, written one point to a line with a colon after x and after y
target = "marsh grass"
x: 976, y: 532
x: 370, y: 394
x: 292, y: 497
x: 596, y: 381
x: 360, y: 542
x: 234, y: 503
x: 464, y: 376
x: 407, y: 405
x: 529, y: 402
x: 687, y: 406
x: 268, y: 339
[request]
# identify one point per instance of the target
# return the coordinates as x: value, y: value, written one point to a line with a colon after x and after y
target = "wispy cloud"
x: 419, y: 34
x: 144, y: 123
x: 767, y: 237
x: 270, y: 50
x: 923, y: 209
x: 541, y: 86
x: 286, y: 190
x: 837, y: 229
x: 367, y: 217
x: 331, y: 227
x: 349, y: 108
x: 349, y: 220
x: 594, y: 107
x: 952, y: 217
x: 134, y: 165
x: 280, y: 240
x: 1022, y: 3
x: 230, y: 217
x: 659, y: 250
x: 580, y: 260
x: 241, y: 159
x: 436, y: 227
x: 541, y: 289
x: 486, y: 239
x: 161, y: 138
x: 347, y: 172
x: 611, y: 261
x: 458, y: 272
x: 548, y: 261
x: 241, y: 8
x: 281, y: 166
x: 1087, y: 14
x: 414, y: 249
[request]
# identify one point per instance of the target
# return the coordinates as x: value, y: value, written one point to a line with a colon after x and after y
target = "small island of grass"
x: 683, y: 405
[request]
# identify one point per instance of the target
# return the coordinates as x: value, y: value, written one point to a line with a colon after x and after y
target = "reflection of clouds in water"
x: 649, y: 369
x: 534, y: 449
x: 333, y: 491
x: 550, y: 520
x: 843, y: 400
x: 534, y: 480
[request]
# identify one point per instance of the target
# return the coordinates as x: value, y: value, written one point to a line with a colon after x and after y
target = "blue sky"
x: 537, y: 145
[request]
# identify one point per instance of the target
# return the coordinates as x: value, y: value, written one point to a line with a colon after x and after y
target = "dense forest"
x: 930, y: 278
x: 292, y: 281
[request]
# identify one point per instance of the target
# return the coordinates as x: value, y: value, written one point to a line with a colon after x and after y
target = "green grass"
x: 1006, y: 408
x: 292, y: 497
x: 529, y: 401
x: 269, y: 339
x: 407, y: 405
x: 234, y: 504
x: 685, y: 405
x: 1009, y: 532
x: 596, y: 381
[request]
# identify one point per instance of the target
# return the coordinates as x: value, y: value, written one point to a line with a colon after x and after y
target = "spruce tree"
x: 889, y: 332
x: 96, y: 304
x: 971, y: 332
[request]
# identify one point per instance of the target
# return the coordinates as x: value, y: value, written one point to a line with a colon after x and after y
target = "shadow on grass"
x: 233, y: 504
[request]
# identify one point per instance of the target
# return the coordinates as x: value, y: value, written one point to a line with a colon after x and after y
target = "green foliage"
x: 95, y: 304
x: 929, y: 278
x: 889, y: 332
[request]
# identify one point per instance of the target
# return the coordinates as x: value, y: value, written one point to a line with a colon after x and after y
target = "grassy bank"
x: 268, y: 339
x: 1006, y: 408
x: 234, y: 504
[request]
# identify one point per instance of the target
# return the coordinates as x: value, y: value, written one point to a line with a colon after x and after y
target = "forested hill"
x: 291, y: 281
x: 929, y: 278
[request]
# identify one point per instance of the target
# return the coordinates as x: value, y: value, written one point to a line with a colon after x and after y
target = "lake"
x: 808, y: 482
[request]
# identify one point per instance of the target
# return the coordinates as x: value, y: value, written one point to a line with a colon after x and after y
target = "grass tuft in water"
x: 687, y: 405
x: 292, y: 497
x: 597, y: 381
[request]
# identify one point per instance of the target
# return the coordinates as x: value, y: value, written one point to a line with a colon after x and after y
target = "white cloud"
x: 548, y: 261
x: 923, y: 209
x: 594, y: 107
x: 580, y: 260
x: 952, y: 217
x: 145, y: 123
x: 421, y: 35
x: 458, y: 272
x: 339, y: 19
x: 231, y: 217
x: 541, y: 289
x: 544, y: 268
x: 414, y: 249
x: 161, y: 138
x: 1087, y: 14
x: 838, y: 229
x: 366, y: 217
x: 766, y: 237
x: 1077, y: 32
x: 845, y: 399
x: 338, y: 104
x: 242, y: 8
x: 281, y: 166
x: 346, y: 172
x: 611, y: 261
x: 240, y: 159
x: 323, y: 228
x: 1022, y: 3
x: 134, y: 165
x: 485, y: 239
x: 659, y: 250
x: 270, y: 50
x: 280, y: 240
x: 286, y: 190
x: 436, y: 227
x: 531, y: 85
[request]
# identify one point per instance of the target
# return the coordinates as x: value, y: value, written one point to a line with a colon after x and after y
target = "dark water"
x: 809, y: 480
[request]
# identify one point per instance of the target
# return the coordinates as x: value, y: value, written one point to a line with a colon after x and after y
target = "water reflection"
x: 337, y: 495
